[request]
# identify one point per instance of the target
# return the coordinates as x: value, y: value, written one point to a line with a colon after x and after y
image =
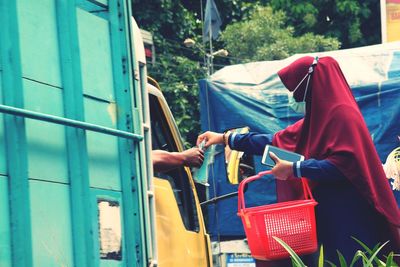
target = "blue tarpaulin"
x: 252, y: 95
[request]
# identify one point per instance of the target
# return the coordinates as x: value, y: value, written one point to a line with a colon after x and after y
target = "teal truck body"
x: 73, y: 136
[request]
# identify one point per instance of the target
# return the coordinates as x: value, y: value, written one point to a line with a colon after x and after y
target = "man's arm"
x: 164, y: 161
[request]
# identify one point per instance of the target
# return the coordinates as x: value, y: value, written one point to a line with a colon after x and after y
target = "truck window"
x: 162, y: 139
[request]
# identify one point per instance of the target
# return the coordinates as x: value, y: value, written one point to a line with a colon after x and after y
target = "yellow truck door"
x: 181, y: 237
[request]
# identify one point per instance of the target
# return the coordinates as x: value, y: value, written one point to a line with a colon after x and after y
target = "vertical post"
x: 146, y: 149
x: 15, y: 137
x: 211, y: 57
x: 128, y: 120
x: 82, y: 235
x: 203, y: 47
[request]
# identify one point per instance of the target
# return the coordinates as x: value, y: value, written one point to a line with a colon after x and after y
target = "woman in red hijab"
x: 342, y: 165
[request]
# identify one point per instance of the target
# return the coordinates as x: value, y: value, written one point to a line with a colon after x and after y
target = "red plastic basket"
x: 292, y: 221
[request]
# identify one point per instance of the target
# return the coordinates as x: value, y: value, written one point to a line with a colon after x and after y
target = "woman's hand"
x: 211, y: 138
x: 283, y: 169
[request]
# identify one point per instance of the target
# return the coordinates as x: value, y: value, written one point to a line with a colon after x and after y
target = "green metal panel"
x: 95, y: 51
x: 76, y: 138
x: 17, y: 169
x: 76, y: 67
x: 103, y: 161
x: 97, y: 7
x: 100, y: 112
x: 38, y: 41
x: 131, y: 178
x: 47, y: 156
x: 51, y: 224
x: 5, y: 242
x: 3, y: 168
x: 104, y: 2
x: 103, y: 150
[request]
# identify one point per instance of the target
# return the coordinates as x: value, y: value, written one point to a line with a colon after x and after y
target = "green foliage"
x: 367, y: 257
x: 177, y: 68
x: 178, y: 79
x: 264, y: 36
x: 354, y: 23
x: 166, y: 18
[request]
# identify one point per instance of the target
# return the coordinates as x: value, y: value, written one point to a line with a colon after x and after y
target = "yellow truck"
x: 181, y: 238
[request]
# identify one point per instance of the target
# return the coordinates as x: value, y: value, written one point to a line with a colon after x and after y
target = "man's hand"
x: 283, y: 169
x: 193, y: 157
x: 211, y: 138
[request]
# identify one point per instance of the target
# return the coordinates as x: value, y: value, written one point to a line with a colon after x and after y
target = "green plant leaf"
x: 394, y: 264
x: 321, y: 257
x: 293, y: 254
x: 293, y: 261
x: 359, y: 254
x: 330, y: 263
x: 389, y: 260
x: 363, y: 245
x: 342, y: 260
x: 371, y: 251
x: 374, y: 256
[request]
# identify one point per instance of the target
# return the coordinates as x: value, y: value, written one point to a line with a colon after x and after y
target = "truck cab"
x: 179, y: 228
x: 181, y: 235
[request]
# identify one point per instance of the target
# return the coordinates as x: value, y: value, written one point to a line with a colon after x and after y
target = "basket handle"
x: 306, y: 189
x: 241, y: 204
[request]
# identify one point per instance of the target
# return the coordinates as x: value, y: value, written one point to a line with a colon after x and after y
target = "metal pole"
x: 205, y: 59
x: 68, y: 122
x: 211, y: 51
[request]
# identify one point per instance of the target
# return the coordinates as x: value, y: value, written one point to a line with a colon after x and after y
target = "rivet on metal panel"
x: 128, y: 121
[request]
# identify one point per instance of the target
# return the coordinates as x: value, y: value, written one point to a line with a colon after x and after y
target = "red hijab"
x: 334, y: 129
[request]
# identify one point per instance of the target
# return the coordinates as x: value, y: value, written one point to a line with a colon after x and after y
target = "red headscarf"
x: 334, y: 129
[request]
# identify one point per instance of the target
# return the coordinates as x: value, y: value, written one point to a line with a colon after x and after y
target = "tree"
x: 353, y: 22
x: 265, y: 36
x: 177, y: 68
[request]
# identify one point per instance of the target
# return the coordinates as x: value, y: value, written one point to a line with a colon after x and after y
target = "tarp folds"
x: 252, y: 95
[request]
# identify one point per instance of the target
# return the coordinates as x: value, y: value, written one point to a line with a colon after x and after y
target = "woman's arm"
x: 250, y: 143
x: 317, y: 170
